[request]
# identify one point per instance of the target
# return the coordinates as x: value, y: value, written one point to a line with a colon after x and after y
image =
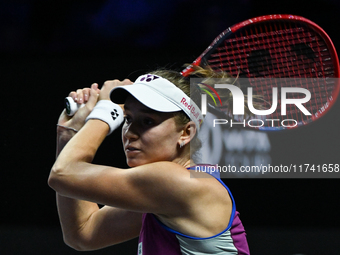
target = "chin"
x: 134, y: 163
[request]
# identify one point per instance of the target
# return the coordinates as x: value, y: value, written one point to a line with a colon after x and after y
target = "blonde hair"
x: 194, y: 92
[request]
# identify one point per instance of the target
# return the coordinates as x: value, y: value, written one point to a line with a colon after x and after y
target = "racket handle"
x: 71, y: 107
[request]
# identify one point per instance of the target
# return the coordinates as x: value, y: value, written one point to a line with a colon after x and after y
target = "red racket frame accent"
x: 277, y: 17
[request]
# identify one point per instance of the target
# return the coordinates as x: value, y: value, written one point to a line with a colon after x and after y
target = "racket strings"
x: 279, y: 50
x: 246, y: 50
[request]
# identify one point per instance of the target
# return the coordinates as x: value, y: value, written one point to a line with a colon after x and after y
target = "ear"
x: 188, y: 133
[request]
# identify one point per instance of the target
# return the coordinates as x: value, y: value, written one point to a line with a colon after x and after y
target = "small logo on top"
x: 149, y: 77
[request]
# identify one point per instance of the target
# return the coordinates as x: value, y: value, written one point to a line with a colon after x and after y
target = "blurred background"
x: 48, y: 48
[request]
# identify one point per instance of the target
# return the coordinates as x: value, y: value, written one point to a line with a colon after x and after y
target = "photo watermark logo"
x: 234, y: 113
x: 264, y: 102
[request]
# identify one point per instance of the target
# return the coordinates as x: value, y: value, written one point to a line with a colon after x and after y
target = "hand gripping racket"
x: 277, y: 51
x: 71, y: 107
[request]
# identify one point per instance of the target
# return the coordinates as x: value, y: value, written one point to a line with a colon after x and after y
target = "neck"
x: 184, y: 158
x: 185, y: 162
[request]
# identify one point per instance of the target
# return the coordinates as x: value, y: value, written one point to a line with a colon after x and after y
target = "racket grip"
x: 71, y: 107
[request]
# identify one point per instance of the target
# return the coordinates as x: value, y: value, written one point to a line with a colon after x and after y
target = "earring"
x: 182, y: 144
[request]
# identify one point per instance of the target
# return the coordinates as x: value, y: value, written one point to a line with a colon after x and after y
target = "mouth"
x: 131, y: 149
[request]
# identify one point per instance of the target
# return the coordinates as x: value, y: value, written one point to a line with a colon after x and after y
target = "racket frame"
x: 202, y: 59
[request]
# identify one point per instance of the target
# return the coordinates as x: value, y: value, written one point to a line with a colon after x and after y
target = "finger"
x: 80, y: 96
x: 110, y: 84
x: 106, y: 89
x: 95, y: 86
x: 73, y: 94
x: 127, y: 82
x: 86, y: 94
x: 93, y: 98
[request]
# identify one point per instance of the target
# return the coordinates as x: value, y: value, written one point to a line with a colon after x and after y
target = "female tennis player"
x: 160, y: 198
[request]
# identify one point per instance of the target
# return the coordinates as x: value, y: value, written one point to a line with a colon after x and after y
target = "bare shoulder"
x: 175, y: 178
x: 177, y: 185
x: 164, y: 181
x: 159, y: 171
x: 187, y: 199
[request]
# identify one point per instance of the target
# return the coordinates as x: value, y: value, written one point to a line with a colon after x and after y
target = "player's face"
x: 148, y: 136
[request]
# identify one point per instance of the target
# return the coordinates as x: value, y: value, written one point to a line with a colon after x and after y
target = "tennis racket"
x: 276, y: 51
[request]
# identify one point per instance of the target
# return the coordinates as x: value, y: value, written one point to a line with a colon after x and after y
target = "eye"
x: 148, y: 121
x: 128, y: 119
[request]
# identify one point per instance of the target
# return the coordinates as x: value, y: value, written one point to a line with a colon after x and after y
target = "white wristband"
x: 109, y: 112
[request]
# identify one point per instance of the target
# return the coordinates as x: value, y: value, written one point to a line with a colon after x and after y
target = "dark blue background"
x: 48, y: 48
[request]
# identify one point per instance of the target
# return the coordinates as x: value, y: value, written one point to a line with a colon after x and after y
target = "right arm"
x: 84, y: 225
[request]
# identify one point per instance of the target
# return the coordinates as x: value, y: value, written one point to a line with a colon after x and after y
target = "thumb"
x: 94, y: 92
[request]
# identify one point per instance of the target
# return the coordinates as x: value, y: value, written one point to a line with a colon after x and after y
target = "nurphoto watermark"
x: 260, y: 104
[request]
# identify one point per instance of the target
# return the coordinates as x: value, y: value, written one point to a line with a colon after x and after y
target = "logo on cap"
x: 149, y: 77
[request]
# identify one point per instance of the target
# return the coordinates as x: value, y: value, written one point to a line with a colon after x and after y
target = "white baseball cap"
x: 159, y: 94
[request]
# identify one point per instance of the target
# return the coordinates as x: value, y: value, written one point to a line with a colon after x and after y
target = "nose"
x: 130, y: 131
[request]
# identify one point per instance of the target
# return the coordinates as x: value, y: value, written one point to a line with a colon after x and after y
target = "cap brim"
x: 144, y: 94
